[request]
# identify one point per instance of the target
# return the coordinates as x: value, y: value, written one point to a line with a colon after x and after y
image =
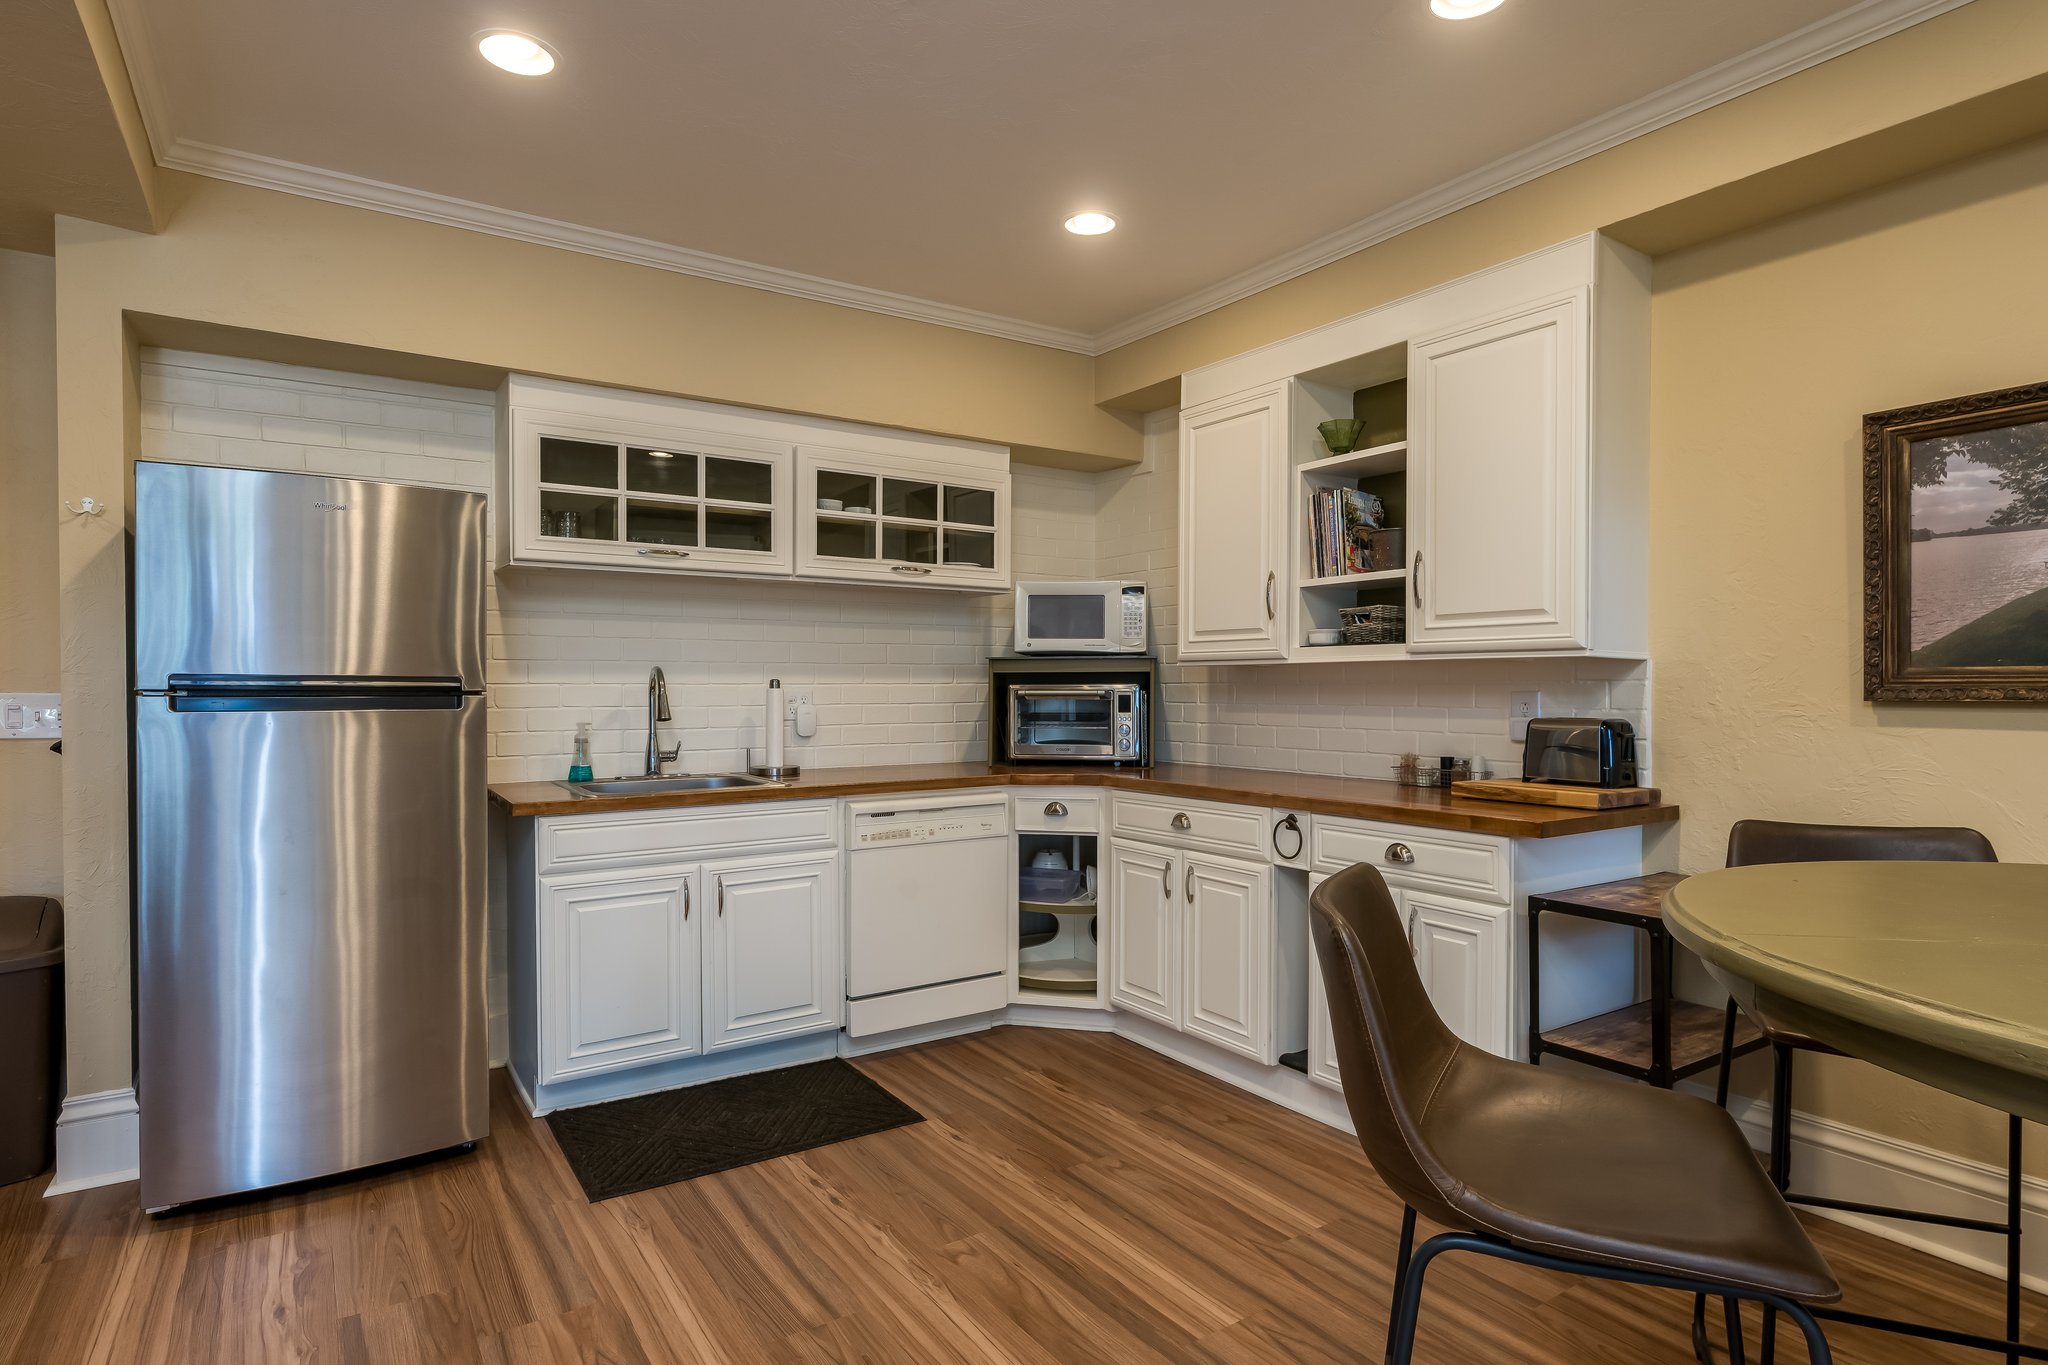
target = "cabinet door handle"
x: 1400, y: 853
x: 1289, y: 822
x: 686, y: 901
x: 1181, y: 821
x: 1187, y: 880
x: 1055, y: 808
x: 1166, y: 880
x: 1417, y: 584
x: 664, y: 553
x: 721, y: 898
x: 1271, y: 579
x: 1413, y: 951
x: 910, y: 568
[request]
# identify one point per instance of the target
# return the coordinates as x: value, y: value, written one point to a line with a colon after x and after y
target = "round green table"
x: 1938, y: 971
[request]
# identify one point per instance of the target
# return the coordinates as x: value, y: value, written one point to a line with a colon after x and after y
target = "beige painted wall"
x: 1768, y: 348
x: 1981, y: 47
x: 31, y: 777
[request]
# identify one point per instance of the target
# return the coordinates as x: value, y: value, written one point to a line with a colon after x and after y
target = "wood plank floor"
x: 1072, y: 1197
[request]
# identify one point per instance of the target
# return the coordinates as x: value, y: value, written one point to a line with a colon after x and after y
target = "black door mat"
x: 637, y: 1144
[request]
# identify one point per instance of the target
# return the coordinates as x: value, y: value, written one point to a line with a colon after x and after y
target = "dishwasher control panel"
x: 883, y: 828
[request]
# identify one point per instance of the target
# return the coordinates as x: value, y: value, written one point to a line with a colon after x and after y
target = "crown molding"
x: 1796, y: 52
x: 1787, y: 56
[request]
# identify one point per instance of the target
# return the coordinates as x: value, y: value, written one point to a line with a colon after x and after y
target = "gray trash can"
x: 31, y: 1011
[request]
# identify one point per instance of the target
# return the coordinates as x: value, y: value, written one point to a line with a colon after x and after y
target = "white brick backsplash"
x: 898, y: 677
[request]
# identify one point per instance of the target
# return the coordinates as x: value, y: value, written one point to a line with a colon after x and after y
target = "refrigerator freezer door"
x: 251, y: 573
x: 311, y: 945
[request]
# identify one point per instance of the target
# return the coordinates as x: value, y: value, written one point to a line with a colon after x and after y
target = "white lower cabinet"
x: 621, y: 988
x: 667, y: 954
x: 1191, y: 942
x: 771, y: 950
x: 1462, y: 952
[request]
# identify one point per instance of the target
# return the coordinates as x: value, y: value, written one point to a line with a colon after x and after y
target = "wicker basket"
x: 1376, y: 625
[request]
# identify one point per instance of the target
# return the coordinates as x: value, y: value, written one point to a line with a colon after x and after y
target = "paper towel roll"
x: 775, y: 723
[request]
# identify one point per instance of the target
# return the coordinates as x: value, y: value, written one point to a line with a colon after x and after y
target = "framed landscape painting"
x: 1955, y: 549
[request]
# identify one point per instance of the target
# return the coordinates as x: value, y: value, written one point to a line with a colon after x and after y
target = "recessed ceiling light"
x: 522, y: 54
x: 1464, y: 9
x: 662, y: 454
x: 1090, y: 224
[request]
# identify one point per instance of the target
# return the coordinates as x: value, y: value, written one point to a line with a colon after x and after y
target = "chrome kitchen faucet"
x: 657, y: 712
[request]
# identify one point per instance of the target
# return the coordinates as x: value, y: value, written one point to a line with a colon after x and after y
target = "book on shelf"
x: 1335, y: 516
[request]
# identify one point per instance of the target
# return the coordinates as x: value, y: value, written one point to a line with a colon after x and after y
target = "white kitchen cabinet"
x: 771, y: 952
x: 621, y: 982
x: 1463, y: 949
x: 1498, y: 555
x: 1234, y: 496
x: 1227, y: 953
x: 1322, y: 1047
x: 1144, y: 931
x: 936, y: 523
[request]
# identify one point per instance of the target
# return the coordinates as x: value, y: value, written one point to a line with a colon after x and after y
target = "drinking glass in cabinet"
x: 970, y: 549
x: 661, y: 523
x: 672, y: 473
x: 578, y: 516
x: 905, y: 498
x: 729, y: 528
x: 846, y: 539
x: 585, y: 464
x: 739, y: 480
x: 911, y: 544
x: 855, y: 492
x: 971, y: 506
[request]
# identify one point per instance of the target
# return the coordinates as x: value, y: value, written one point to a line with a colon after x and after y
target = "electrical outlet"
x: 1523, y: 707
x: 31, y: 715
x: 792, y: 700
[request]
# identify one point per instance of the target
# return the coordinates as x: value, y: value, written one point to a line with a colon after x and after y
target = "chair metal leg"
x: 1817, y: 1352
x: 2014, y: 1143
x: 1702, y: 1348
x: 1401, y: 1259
x: 1768, y: 1352
x: 1408, y: 1310
x: 1781, y: 1116
x: 1733, y: 1309
x: 1727, y: 1055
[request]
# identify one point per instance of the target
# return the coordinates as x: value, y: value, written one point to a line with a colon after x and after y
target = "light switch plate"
x: 31, y: 715
x: 1523, y: 707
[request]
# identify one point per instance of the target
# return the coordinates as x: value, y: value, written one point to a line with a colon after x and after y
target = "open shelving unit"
x: 1371, y: 386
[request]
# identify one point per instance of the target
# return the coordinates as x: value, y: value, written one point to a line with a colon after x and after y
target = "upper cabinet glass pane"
x: 661, y: 523
x: 971, y: 549
x: 585, y: 464
x: 853, y: 492
x: 669, y: 472
x: 971, y: 506
x: 739, y: 480
x: 727, y: 528
x: 578, y: 516
x: 910, y: 498
x: 911, y: 544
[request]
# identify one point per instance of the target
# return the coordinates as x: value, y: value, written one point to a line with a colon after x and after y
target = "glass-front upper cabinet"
x: 862, y: 515
x: 627, y: 495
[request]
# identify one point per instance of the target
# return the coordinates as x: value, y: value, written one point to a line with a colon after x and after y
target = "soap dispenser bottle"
x: 579, y: 762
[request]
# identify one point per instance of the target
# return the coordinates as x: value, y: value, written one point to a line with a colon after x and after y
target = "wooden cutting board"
x: 1559, y: 794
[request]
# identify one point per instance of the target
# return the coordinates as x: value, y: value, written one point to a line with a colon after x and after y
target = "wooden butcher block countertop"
x: 1356, y: 798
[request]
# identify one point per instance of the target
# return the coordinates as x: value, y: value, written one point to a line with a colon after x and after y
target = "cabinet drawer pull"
x: 1400, y: 853
x: 1055, y: 808
x: 721, y: 898
x: 910, y: 568
x: 1412, y: 949
x: 1271, y: 579
x: 665, y: 554
x: 686, y: 901
x: 1289, y: 822
x: 1181, y: 821
x: 1417, y: 584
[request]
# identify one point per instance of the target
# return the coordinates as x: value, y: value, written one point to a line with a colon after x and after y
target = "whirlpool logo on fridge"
x: 330, y: 506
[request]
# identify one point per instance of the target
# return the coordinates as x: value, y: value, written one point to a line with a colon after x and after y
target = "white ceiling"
x: 931, y: 149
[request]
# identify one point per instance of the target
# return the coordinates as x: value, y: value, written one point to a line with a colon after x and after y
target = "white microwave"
x: 1081, y: 618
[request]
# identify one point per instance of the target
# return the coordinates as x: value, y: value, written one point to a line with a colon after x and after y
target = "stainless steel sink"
x: 630, y: 786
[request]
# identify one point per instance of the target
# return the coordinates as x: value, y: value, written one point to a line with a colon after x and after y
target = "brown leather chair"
x: 1543, y: 1167
x: 1754, y: 842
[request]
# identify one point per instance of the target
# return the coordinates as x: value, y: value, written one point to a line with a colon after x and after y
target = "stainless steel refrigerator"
x: 309, y: 826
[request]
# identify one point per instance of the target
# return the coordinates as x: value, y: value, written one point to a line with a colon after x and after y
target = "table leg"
x: 1660, y: 1008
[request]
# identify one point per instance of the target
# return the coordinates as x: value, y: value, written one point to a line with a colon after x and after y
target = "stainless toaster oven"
x: 1077, y: 722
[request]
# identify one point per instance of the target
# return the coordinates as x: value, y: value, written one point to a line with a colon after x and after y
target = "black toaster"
x: 1588, y: 753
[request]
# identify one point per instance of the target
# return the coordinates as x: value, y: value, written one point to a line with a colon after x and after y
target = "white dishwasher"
x: 928, y: 910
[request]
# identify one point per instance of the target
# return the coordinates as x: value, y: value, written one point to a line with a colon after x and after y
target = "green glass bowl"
x: 1341, y: 434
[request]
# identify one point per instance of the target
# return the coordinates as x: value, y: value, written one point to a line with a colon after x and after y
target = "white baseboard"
x: 99, y: 1141
x: 1282, y: 1085
x: 1837, y: 1161
x: 850, y: 1046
